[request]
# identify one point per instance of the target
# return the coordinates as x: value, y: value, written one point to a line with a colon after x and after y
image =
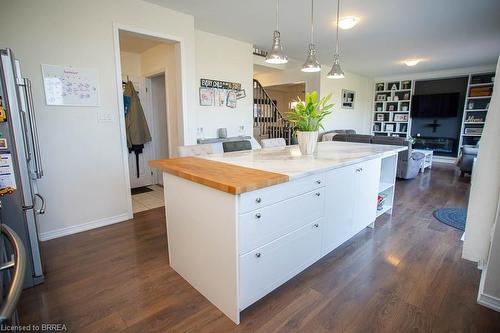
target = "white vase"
x: 308, y: 141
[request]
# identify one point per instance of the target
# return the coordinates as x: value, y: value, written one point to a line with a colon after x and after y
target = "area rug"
x: 139, y: 190
x: 454, y: 217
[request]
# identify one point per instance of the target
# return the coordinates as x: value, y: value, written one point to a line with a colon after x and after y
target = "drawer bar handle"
x: 316, y: 225
x: 318, y: 194
x: 258, y: 215
x: 257, y: 254
x: 318, y: 181
x: 258, y: 200
x: 359, y: 169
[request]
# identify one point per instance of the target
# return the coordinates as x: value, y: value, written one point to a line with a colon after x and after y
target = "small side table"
x: 427, y: 158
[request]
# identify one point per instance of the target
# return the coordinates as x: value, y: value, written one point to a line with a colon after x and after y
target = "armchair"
x: 466, y: 160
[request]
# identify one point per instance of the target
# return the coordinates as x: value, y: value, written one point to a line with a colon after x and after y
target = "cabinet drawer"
x: 266, y: 268
x: 266, y: 224
x: 263, y: 197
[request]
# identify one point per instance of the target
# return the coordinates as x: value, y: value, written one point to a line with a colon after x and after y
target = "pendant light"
x: 276, y: 55
x: 336, y: 71
x: 312, y: 64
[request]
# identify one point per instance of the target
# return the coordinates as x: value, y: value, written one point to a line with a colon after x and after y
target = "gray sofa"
x: 409, y: 161
x: 466, y: 160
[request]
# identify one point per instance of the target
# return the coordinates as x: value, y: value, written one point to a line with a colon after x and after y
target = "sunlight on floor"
x: 148, y: 200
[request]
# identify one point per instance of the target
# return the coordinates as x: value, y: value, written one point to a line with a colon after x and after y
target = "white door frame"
x: 158, y: 175
x: 182, y: 117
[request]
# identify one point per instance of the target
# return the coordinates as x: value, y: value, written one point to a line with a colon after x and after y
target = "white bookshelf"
x: 476, y: 107
x: 391, y: 108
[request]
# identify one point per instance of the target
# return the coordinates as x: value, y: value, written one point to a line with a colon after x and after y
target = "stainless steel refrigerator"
x: 20, y: 163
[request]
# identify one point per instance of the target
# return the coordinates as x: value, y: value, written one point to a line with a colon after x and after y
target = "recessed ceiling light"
x: 348, y: 22
x: 411, y: 62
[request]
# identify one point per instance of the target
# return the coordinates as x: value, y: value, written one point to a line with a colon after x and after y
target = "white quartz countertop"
x: 289, y: 161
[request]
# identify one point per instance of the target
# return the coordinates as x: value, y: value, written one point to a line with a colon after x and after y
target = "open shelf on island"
x: 384, y: 209
x: 384, y: 186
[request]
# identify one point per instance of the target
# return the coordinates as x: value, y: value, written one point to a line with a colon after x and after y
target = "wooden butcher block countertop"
x: 225, y: 177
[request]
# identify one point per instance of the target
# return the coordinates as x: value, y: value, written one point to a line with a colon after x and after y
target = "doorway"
x: 151, y: 65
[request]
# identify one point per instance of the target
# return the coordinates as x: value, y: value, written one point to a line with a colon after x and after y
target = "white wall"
x: 358, y: 118
x: 130, y: 63
x: 164, y: 58
x: 287, y: 73
x: 225, y: 59
x: 84, y: 182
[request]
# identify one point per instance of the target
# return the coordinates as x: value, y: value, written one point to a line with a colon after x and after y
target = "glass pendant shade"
x: 312, y: 64
x: 336, y: 72
x: 276, y: 55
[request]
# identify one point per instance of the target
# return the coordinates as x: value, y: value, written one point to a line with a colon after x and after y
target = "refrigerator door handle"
x: 40, y: 211
x: 33, y: 130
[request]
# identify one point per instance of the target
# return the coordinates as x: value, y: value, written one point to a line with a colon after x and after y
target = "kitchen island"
x: 241, y: 224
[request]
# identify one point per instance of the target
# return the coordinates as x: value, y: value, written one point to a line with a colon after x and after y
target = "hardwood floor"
x: 405, y: 275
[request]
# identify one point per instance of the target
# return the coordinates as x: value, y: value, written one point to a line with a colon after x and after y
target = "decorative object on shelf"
x: 400, y: 117
x: 206, y: 96
x: 311, y: 64
x: 396, y: 98
x: 406, y: 96
x: 389, y: 98
x: 241, y: 94
x: 307, y: 117
x: 336, y: 71
x: 403, y: 128
x: 241, y: 130
x: 208, y: 83
x: 381, y: 97
x: 389, y: 127
x: 379, y: 108
x: 394, y: 85
x: 348, y: 99
x: 276, y: 55
x: 404, y: 108
x: 376, y: 127
x: 390, y: 107
x: 473, y: 130
x: 379, y: 86
x: 471, y: 106
x: 380, y: 117
x: 199, y: 133
x: 406, y: 85
x: 480, y: 91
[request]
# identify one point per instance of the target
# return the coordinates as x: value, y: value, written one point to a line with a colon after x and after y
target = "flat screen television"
x: 435, y: 106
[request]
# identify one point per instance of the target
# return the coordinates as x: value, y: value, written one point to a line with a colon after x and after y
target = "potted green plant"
x: 307, y: 117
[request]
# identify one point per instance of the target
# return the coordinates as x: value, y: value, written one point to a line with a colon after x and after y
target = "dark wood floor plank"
x: 406, y: 275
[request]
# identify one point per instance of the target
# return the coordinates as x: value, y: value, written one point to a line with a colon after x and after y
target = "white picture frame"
x: 206, y: 97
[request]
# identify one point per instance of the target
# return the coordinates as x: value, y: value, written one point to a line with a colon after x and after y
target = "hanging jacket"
x: 135, y: 121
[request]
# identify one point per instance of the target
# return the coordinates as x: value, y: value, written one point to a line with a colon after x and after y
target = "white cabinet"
x: 267, y: 267
x: 264, y: 225
x: 350, y: 202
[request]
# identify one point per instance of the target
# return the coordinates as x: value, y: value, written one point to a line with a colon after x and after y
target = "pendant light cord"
x: 312, y: 21
x: 337, y: 44
x: 277, y: 14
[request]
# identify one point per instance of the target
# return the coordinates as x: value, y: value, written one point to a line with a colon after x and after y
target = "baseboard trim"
x: 489, y: 301
x: 444, y: 159
x: 74, y: 229
x: 486, y: 300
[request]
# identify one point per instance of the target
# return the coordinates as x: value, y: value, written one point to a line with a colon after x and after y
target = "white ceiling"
x: 447, y: 33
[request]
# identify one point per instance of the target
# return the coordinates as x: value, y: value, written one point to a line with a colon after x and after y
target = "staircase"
x: 268, y: 121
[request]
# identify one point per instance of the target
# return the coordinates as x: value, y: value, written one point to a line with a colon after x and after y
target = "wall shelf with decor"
x: 391, y: 108
x: 477, y: 102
